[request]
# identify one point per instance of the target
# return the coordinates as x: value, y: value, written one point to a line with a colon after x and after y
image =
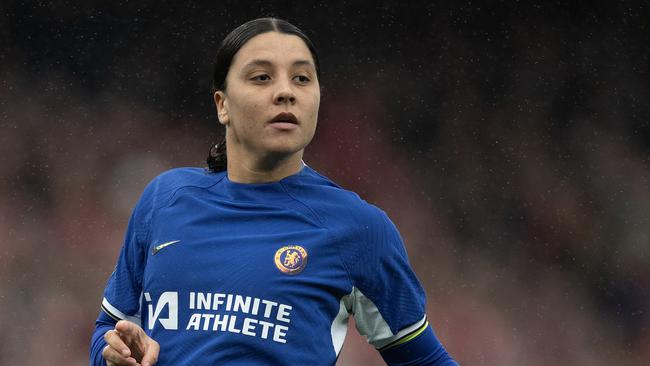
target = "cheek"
x: 313, y: 118
x: 317, y: 103
x: 315, y: 106
x: 246, y: 113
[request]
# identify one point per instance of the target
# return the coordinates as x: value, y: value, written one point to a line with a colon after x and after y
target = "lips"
x: 285, y: 117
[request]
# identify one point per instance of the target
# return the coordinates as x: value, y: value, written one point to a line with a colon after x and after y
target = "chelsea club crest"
x: 291, y: 259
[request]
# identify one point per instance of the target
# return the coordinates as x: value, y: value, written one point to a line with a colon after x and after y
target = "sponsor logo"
x: 167, y: 300
x: 157, y: 248
x: 219, y: 312
x: 291, y: 259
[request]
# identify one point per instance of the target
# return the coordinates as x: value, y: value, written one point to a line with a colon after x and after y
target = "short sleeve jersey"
x: 220, y: 272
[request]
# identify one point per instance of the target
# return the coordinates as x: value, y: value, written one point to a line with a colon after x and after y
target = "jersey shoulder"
x: 162, y: 188
x: 176, y: 178
x: 333, y: 203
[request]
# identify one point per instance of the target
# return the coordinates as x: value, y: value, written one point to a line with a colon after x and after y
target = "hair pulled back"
x: 234, y: 41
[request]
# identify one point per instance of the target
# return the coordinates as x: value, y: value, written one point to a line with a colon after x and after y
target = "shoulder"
x: 187, y: 176
x: 334, y: 203
x: 165, y: 185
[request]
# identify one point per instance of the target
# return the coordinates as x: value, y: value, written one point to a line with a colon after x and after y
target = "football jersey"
x: 219, y: 272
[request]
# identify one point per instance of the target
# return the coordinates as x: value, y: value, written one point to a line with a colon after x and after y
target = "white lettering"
x: 203, y: 301
x: 231, y: 325
x: 207, y: 318
x: 218, y: 300
x: 265, y: 328
x: 229, y: 302
x: 283, y: 313
x: 256, y: 305
x: 235, y: 322
x: 194, y: 322
x: 217, y: 322
x: 269, y: 307
x: 242, y: 304
x: 248, y: 328
x: 169, y: 299
x: 279, y: 333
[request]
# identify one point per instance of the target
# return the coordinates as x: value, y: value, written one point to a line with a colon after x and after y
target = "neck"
x: 243, y: 168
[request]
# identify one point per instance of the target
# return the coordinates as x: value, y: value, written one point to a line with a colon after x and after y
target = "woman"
x: 260, y: 260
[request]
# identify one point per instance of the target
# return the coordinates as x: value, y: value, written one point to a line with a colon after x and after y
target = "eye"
x: 261, y: 77
x: 302, y: 79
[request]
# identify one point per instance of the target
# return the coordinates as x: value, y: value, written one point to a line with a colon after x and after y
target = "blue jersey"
x: 219, y: 272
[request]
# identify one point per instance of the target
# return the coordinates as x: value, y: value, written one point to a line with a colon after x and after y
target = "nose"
x: 284, y: 94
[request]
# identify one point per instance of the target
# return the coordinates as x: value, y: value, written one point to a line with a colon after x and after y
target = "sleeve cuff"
x: 422, y: 348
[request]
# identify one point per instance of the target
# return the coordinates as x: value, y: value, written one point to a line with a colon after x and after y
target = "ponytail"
x: 217, y: 159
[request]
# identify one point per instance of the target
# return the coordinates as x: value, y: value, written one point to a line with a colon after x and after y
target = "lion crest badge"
x: 291, y: 259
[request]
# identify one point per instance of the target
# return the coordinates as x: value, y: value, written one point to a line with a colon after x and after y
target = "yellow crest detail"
x: 291, y: 259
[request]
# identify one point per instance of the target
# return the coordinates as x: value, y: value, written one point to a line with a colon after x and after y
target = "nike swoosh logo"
x: 157, y: 248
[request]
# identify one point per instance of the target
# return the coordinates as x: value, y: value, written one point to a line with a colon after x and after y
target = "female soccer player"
x: 260, y: 260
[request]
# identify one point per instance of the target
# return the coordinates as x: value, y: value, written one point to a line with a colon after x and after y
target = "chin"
x: 283, y: 151
x: 286, y: 146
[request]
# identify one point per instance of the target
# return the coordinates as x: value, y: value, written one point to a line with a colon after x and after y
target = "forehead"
x: 274, y: 47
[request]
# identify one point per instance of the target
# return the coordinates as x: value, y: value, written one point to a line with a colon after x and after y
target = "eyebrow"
x: 267, y: 63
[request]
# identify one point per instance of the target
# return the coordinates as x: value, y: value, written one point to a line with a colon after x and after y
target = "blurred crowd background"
x: 509, y: 142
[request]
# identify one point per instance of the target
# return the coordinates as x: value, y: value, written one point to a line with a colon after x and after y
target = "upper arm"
x: 124, y: 287
x: 387, y: 300
x: 123, y: 292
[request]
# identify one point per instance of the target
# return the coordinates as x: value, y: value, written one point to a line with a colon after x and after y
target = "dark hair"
x: 217, y: 158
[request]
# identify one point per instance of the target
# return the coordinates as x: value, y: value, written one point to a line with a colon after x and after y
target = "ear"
x: 222, y: 107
